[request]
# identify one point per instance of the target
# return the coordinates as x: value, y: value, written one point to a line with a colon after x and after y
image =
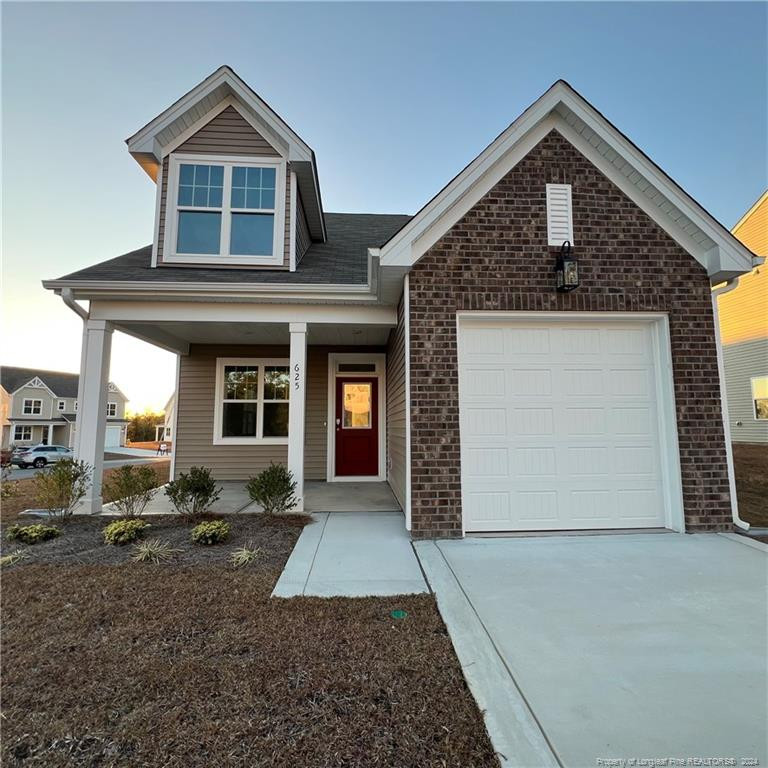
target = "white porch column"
x: 83, y: 359
x: 92, y: 408
x: 296, y: 417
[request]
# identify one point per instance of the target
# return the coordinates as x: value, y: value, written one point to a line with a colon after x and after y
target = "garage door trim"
x: 658, y: 324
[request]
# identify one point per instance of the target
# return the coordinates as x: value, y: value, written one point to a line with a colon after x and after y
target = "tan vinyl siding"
x: 303, y: 238
x: 742, y: 362
x: 752, y: 230
x: 195, y: 411
x: 396, y: 412
x: 33, y: 393
x: 227, y: 134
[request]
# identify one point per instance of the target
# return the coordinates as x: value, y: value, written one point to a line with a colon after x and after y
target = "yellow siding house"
x: 744, y: 333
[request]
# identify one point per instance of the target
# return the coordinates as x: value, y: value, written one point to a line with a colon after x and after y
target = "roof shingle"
x: 343, y: 259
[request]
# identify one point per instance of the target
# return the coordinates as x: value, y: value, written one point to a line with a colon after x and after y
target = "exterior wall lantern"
x: 566, y: 269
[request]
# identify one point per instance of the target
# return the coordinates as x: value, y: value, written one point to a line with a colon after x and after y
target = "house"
x: 164, y: 431
x: 744, y: 334
x: 434, y: 351
x: 42, y: 406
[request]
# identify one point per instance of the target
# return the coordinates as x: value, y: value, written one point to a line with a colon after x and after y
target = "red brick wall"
x: 496, y: 258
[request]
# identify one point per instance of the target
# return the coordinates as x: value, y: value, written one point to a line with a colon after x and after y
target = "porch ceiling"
x: 175, y: 334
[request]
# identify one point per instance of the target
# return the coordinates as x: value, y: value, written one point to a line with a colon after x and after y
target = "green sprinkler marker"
x: 399, y: 614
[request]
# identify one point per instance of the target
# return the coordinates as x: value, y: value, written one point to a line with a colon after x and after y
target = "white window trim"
x: 61, y: 405
x: 111, y: 409
x: 32, y: 411
x: 754, y: 399
x: 262, y: 362
x: 223, y: 257
x: 22, y: 427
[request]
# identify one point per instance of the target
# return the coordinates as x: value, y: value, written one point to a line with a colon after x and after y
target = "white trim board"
x: 669, y: 205
x: 658, y: 322
x: 380, y: 359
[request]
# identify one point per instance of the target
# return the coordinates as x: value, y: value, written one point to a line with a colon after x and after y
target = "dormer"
x: 236, y: 186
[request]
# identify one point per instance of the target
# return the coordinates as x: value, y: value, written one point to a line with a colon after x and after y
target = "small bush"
x: 210, y: 532
x: 193, y: 494
x: 124, y: 531
x: 8, y: 489
x: 273, y: 489
x: 131, y: 488
x: 154, y: 551
x: 32, y: 534
x: 246, y: 555
x: 60, y: 489
x: 13, y: 557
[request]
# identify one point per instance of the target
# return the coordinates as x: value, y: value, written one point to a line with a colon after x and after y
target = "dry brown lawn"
x: 117, y: 664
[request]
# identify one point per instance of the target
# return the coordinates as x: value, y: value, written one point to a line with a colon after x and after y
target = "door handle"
x: 338, y: 424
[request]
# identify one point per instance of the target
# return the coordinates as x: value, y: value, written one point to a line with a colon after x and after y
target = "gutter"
x: 716, y: 293
x: 66, y: 295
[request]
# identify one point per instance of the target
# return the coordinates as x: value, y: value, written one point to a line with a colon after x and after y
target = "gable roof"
x: 752, y: 227
x: 222, y: 89
x: 59, y: 383
x: 341, y: 260
x: 564, y: 110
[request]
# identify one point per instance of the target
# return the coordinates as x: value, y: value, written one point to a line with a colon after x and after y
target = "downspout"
x: 68, y: 299
x: 716, y: 293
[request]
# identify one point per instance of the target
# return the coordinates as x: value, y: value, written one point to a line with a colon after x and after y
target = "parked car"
x: 40, y: 455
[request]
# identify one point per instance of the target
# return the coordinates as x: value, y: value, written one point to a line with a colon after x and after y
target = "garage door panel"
x: 560, y: 429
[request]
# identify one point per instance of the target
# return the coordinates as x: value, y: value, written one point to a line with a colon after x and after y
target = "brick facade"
x: 496, y: 258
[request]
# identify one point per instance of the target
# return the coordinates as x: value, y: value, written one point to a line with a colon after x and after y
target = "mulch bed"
x: 751, y: 467
x: 111, y: 663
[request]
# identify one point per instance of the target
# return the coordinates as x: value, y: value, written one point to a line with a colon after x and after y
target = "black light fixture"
x: 566, y: 269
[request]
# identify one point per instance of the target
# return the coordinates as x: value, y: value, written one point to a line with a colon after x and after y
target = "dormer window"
x: 225, y: 210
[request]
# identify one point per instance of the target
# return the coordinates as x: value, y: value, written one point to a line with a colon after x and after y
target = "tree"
x: 141, y: 426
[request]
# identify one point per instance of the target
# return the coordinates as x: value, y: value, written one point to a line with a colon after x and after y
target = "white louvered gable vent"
x: 559, y: 214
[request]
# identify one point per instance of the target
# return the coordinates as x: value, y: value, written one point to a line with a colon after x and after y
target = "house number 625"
x: 296, y: 376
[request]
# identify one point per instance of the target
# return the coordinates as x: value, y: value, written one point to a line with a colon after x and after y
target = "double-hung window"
x: 61, y: 405
x: 111, y: 409
x: 252, y: 401
x: 225, y: 210
x: 22, y: 432
x: 32, y: 407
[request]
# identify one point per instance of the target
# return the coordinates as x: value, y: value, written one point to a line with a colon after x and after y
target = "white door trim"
x: 665, y: 391
x: 380, y: 360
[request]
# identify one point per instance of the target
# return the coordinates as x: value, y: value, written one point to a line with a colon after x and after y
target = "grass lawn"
x: 112, y: 663
x: 24, y: 496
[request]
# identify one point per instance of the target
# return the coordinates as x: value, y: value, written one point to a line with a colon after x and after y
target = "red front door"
x: 357, y: 427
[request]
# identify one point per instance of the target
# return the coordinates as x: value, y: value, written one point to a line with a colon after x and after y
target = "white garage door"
x: 112, y: 437
x: 559, y: 425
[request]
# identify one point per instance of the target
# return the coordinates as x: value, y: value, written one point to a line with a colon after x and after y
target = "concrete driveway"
x: 589, y: 648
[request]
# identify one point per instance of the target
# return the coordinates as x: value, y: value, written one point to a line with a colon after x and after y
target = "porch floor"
x: 352, y: 554
x: 319, y: 496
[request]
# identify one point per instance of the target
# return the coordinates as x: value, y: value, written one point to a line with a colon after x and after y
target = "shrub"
x: 13, y: 557
x: 131, y: 488
x: 273, y: 489
x: 8, y: 489
x: 32, y: 534
x: 153, y: 551
x: 60, y: 489
x: 124, y: 531
x: 194, y: 494
x: 210, y: 532
x: 246, y: 555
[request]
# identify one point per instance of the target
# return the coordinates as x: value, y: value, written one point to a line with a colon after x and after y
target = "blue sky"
x: 394, y: 99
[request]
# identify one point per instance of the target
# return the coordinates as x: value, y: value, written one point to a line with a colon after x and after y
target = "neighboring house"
x: 41, y: 407
x: 431, y: 351
x: 744, y: 334
x: 164, y: 431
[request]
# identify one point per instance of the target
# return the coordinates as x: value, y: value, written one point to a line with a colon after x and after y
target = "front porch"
x: 316, y: 387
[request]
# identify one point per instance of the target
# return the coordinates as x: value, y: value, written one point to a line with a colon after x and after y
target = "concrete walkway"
x: 352, y: 554
x: 585, y: 648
